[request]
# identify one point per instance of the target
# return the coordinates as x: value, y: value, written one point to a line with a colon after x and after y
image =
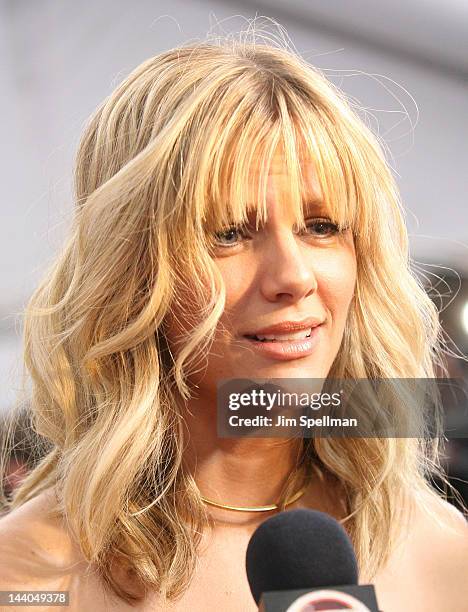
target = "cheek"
x: 336, y: 280
x: 238, y: 279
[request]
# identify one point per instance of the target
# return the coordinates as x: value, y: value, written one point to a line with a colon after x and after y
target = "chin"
x: 294, y: 368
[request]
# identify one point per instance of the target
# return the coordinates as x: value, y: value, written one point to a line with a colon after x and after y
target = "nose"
x: 287, y: 272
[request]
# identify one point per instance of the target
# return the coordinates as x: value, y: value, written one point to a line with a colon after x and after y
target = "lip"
x: 286, y: 326
x: 289, y: 349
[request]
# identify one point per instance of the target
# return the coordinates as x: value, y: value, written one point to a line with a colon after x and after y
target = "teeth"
x: 301, y: 335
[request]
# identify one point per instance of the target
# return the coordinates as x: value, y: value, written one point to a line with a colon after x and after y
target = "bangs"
x: 306, y: 138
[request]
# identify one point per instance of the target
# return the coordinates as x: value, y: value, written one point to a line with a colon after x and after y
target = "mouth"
x: 301, y: 335
x: 283, y: 347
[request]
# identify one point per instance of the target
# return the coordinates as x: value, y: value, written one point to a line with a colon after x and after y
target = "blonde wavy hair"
x: 164, y: 161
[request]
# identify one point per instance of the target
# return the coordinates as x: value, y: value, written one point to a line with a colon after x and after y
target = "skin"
x: 275, y: 274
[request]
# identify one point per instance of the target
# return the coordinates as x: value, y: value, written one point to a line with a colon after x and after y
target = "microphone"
x: 305, y: 552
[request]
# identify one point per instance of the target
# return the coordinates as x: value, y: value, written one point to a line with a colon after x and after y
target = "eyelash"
x: 335, y: 230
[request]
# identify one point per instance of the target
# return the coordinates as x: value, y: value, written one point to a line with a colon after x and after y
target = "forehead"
x: 278, y: 185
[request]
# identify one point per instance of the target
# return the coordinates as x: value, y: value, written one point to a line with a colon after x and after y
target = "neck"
x: 239, y: 471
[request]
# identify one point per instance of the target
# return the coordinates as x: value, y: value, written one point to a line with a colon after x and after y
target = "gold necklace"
x: 294, y: 498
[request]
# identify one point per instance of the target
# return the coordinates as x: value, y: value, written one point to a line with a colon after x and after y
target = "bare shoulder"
x: 442, y: 540
x: 428, y: 568
x: 36, y: 510
x: 37, y: 552
x: 35, y: 549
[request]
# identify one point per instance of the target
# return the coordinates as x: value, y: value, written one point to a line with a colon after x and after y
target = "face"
x: 277, y: 275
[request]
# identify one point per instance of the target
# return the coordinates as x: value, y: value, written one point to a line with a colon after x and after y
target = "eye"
x: 324, y: 228
x: 228, y: 237
x: 235, y: 234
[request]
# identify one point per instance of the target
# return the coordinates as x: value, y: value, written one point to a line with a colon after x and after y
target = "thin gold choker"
x: 294, y: 498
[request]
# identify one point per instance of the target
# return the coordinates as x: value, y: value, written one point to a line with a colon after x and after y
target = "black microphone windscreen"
x: 299, y: 549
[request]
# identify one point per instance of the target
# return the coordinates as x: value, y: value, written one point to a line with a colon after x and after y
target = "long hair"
x: 164, y: 161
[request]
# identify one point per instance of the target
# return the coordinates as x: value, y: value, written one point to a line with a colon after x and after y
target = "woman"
x: 220, y: 190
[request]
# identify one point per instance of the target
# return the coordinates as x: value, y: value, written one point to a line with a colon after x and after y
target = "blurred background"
x: 403, y: 65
